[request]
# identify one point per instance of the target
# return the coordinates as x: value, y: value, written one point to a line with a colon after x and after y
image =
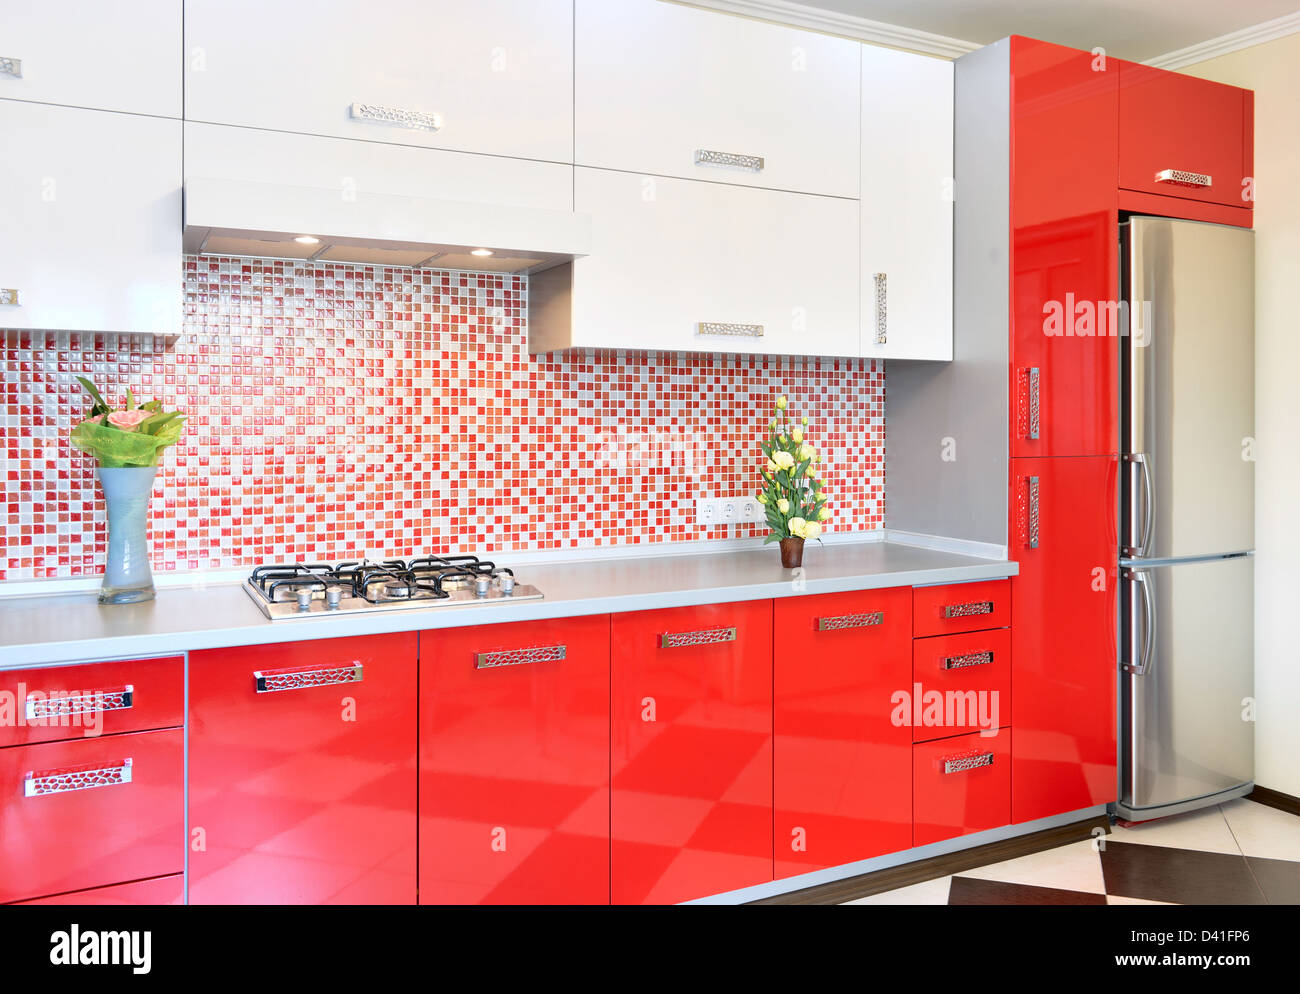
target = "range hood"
x: 239, y: 217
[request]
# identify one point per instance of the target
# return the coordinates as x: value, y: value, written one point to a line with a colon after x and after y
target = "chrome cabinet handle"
x: 1143, y: 463
x: 1146, y: 660
x: 1031, y: 523
x: 269, y: 681
x: 398, y: 117
x: 518, y: 657
x: 968, y: 659
x: 1181, y: 177
x: 960, y: 764
x: 75, y: 778
x: 709, y: 636
x: 9, y: 296
x: 11, y: 67
x: 840, y: 622
x: 968, y: 610
x: 728, y: 329
x: 737, y: 160
x: 1030, y: 417
x: 882, y: 307
x: 55, y: 705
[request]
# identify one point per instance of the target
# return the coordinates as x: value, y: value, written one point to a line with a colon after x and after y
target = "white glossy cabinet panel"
x: 907, y: 204
x: 123, y: 56
x: 655, y: 82
x: 498, y: 73
x: 91, y: 202
x: 669, y: 254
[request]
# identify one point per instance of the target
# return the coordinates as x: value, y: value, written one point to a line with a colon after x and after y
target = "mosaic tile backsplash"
x: 339, y: 410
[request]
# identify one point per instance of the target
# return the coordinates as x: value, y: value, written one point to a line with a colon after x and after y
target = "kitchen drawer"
x: 972, y: 674
x: 65, y: 828
x: 961, y: 607
x: 159, y: 890
x: 960, y: 785
x: 68, y: 702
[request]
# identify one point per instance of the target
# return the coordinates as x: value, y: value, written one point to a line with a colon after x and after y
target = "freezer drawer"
x: 1188, y: 681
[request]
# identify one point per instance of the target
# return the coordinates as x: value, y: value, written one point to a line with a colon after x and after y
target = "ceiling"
x: 1127, y: 29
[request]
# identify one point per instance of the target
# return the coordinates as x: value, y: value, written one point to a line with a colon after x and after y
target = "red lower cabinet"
x: 842, y: 772
x: 303, y: 773
x: 1064, y: 660
x: 159, y: 890
x: 91, y: 811
x: 691, y: 810
x: 961, y: 683
x: 961, y: 785
x: 514, y: 763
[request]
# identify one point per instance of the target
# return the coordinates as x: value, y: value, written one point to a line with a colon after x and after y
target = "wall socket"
x: 714, y: 511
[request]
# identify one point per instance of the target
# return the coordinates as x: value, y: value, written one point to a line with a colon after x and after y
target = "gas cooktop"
x: 317, y: 590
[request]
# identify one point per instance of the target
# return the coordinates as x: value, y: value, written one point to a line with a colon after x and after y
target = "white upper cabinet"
x: 907, y: 205
x: 122, y: 56
x: 74, y: 182
x: 678, y: 265
x: 657, y: 84
x: 493, y: 76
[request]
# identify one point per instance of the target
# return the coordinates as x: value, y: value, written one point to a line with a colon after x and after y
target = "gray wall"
x: 964, y: 400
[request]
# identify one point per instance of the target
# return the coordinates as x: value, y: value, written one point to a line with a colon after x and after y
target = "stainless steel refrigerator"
x: 1186, y: 516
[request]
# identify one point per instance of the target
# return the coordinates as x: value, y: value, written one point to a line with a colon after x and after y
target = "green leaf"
x: 152, y: 424
x: 130, y: 400
x: 772, y: 538
x: 89, y: 387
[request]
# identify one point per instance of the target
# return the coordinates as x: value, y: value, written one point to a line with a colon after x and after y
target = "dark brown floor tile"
x: 1279, y: 879
x: 968, y: 890
x: 1177, y: 876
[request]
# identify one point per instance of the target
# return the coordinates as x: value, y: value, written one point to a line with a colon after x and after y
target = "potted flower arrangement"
x: 127, y: 442
x: 793, y: 497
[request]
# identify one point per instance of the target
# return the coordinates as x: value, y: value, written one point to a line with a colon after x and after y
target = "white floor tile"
x: 928, y: 892
x: 1076, y: 866
x: 1263, y: 831
x: 1116, y: 899
x: 1206, y: 830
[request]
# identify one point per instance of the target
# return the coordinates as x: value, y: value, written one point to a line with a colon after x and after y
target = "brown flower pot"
x: 791, y: 552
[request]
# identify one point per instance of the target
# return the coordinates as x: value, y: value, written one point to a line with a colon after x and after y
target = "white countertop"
x: 72, y: 627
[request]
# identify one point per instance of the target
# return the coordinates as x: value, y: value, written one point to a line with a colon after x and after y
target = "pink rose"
x: 127, y: 420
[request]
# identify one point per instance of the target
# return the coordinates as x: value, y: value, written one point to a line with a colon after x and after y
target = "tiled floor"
x: 1236, y: 853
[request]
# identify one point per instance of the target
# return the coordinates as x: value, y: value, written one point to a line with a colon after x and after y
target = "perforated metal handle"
x: 960, y: 764
x: 882, y: 307
x: 11, y: 67
x: 518, y: 657
x: 57, y: 705
x: 1035, y: 408
x: 62, y: 781
x: 709, y: 636
x: 966, y: 659
x: 841, y: 621
x: 734, y: 160
x: 728, y: 329
x: 1181, y: 177
x: 10, y: 296
x: 967, y: 610
x: 1031, y: 499
x: 270, y: 681
x: 396, y: 117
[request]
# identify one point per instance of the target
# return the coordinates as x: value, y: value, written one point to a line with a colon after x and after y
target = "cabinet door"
x: 698, y: 267
x: 1065, y: 245
x: 498, y: 74
x: 514, y: 763
x: 302, y: 773
x: 106, y: 56
x: 157, y: 891
x: 1063, y: 642
x: 691, y: 811
x: 907, y: 198
x: 842, y: 767
x: 962, y: 784
x: 1183, y: 136
x: 69, y: 176
x: 657, y: 83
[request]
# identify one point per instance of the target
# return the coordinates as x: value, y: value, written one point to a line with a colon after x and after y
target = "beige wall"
x: 1272, y: 70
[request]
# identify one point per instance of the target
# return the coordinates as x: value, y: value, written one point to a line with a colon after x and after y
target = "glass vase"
x: 127, y: 576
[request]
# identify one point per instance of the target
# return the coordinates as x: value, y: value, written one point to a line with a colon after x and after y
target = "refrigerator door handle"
x: 1146, y: 661
x: 1143, y: 463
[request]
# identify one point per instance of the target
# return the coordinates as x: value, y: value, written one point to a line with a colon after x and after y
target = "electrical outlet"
x: 751, y: 510
x: 706, y: 511
x: 729, y: 510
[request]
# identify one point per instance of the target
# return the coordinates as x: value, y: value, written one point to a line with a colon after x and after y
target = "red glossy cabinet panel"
x: 961, y: 607
x: 1064, y: 360
x: 159, y: 890
x: 962, y: 785
x: 1063, y: 642
x: 87, y: 812
x: 691, y: 810
x: 514, y: 763
x: 68, y: 702
x: 842, y: 766
x: 305, y: 792
x: 1169, y: 121
x: 963, y: 683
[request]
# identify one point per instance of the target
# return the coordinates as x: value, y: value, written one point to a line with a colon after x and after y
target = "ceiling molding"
x: 1256, y: 34
x: 847, y: 25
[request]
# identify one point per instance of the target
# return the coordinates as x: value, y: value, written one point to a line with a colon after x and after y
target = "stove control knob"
x: 507, y: 582
x: 481, y: 585
x: 333, y: 597
x: 304, y: 600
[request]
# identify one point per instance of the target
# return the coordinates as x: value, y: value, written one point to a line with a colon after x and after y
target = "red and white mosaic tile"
x: 338, y: 410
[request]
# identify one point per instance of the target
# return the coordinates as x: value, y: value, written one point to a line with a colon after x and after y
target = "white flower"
x: 783, y: 506
x: 824, y: 514
x: 806, y: 451
x: 783, y: 460
x: 761, y: 498
x: 797, y: 435
x: 781, y: 402
x: 812, y: 530
x: 798, y: 527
